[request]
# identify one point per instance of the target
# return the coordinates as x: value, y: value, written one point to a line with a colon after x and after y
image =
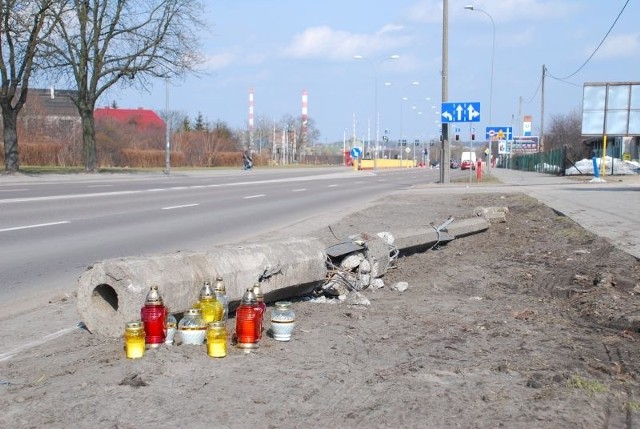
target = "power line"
x: 597, y: 47
x: 535, y: 93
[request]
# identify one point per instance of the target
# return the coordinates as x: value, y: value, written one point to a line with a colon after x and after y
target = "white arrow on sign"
x: 459, y: 112
x: 447, y: 116
x: 471, y: 112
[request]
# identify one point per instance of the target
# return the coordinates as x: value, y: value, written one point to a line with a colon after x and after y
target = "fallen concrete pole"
x: 111, y: 292
x: 421, y: 239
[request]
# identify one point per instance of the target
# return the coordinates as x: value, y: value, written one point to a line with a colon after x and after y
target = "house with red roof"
x: 140, y: 118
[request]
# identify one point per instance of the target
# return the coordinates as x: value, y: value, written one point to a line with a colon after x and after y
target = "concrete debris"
x: 365, y: 267
x: 400, y: 286
x: 363, y: 281
x: 377, y: 283
x: 319, y: 300
x: 357, y: 299
x: 492, y: 214
x: 604, y: 280
x: 352, y: 261
x: 368, y: 260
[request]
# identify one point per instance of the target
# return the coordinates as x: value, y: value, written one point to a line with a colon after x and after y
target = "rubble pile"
x: 358, y: 263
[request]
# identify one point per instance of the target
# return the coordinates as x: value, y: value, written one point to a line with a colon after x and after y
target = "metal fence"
x: 551, y: 162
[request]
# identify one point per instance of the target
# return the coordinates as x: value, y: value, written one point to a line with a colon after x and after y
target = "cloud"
x: 619, y: 46
x: 217, y: 62
x: 430, y: 11
x: 327, y: 43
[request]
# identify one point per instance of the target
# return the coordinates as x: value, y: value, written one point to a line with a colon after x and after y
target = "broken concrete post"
x: 111, y: 292
x: 419, y: 239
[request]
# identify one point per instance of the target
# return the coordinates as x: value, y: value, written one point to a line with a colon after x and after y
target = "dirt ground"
x: 533, y: 323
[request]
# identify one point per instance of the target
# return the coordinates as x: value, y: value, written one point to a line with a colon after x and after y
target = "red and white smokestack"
x: 304, y: 107
x: 251, y: 109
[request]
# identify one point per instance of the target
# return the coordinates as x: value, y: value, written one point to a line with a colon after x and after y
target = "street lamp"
x: 375, y: 94
x: 493, y: 50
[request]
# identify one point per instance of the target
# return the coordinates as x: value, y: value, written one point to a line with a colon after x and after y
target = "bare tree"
x: 23, y: 24
x: 566, y: 130
x: 99, y: 43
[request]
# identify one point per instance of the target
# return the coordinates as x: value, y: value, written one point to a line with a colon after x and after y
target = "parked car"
x: 454, y: 164
x: 466, y: 164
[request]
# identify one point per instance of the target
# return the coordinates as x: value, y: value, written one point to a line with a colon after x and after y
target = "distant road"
x: 53, y: 227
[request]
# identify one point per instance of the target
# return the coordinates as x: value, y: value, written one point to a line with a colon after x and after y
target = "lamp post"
x: 375, y: 95
x: 493, y: 50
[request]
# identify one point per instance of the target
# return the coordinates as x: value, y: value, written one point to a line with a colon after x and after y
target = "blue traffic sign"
x: 356, y: 152
x: 498, y: 133
x: 460, y: 112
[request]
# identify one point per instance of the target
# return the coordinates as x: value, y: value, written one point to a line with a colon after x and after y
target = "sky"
x: 282, y: 47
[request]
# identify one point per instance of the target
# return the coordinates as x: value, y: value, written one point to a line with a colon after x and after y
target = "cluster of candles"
x: 206, y: 321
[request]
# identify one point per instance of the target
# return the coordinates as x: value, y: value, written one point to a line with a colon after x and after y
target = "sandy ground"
x: 533, y: 323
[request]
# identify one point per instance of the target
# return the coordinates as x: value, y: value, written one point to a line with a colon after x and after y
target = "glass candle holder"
x: 217, y: 339
x: 134, y: 344
x: 191, y: 328
x: 283, y: 321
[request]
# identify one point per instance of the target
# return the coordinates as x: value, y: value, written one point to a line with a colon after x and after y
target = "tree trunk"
x: 10, y: 136
x: 89, y: 154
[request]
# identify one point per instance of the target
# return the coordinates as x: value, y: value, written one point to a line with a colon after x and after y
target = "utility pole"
x: 541, y: 144
x: 445, y: 176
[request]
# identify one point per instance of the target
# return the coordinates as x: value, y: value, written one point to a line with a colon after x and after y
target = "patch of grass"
x: 487, y: 179
x: 590, y: 386
x: 633, y: 406
x: 573, y: 231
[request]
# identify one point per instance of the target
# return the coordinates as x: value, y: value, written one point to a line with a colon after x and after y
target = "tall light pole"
x: 402, y: 100
x: 445, y: 174
x: 375, y: 95
x: 493, y: 51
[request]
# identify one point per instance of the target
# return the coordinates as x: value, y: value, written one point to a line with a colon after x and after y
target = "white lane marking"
x: 69, y: 197
x: 179, y: 207
x: 45, y: 339
x: 34, y: 226
x: 109, y: 194
x: 99, y: 186
x: 255, y: 196
x: 298, y: 190
x: 13, y: 190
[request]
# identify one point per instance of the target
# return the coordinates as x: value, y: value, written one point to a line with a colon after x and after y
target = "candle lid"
x: 193, y: 312
x: 219, y: 286
x: 137, y: 324
x: 216, y: 324
x: 283, y: 305
x: 206, y: 291
x: 257, y: 290
x: 153, y: 297
x: 249, y: 297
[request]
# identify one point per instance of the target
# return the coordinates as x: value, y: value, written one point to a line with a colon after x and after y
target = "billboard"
x: 524, y: 144
x: 611, y: 108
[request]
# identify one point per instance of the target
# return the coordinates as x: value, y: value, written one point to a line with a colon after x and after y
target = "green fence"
x: 552, y: 162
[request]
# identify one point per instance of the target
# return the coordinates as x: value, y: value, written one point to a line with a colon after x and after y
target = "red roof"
x: 142, y: 118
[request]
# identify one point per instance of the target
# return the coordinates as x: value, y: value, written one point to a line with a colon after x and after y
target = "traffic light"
x: 457, y: 137
x: 473, y: 136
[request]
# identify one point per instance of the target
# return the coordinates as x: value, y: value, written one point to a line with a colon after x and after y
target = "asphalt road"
x: 52, y: 227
